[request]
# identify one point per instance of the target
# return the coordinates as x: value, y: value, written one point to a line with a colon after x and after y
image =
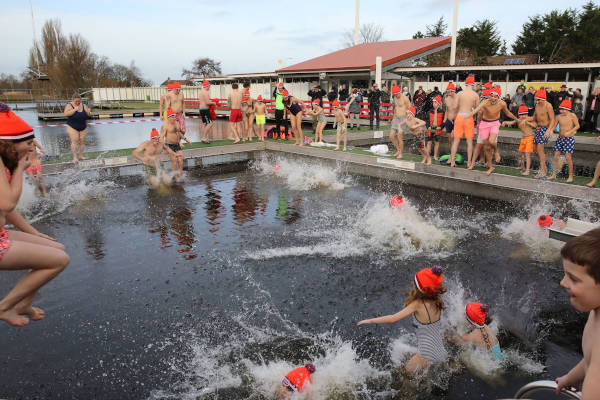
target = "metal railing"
x: 545, y: 390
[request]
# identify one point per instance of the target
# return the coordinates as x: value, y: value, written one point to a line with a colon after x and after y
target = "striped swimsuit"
x: 429, y: 339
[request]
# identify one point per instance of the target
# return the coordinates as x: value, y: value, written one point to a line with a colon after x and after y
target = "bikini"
x: 429, y: 339
x: 5, y: 243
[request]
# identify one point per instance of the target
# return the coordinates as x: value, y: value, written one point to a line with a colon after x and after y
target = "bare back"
x: 204, y: 99
x: 451, y: 107
x: 427, y: 311
x: 235, y: 99
x: 467, y: 100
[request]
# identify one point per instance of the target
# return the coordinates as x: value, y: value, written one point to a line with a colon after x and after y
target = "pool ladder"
x: 545, y: 390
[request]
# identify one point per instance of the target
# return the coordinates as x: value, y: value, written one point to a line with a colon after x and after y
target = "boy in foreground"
x: 581, y: 263
x: 260, y: 110
x: 565, y: 143
x: 526, y: 145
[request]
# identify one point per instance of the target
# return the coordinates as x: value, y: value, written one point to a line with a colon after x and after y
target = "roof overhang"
x: 468, y: 68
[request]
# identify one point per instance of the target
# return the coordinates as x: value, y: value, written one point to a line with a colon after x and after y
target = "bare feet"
x: 345, y: 149
x: 76, y: 161
x: 399, y: 156
x: 552, y: 177
x: 498, y: 158
x: 429, y: 162
x: 520, y: 167
x: 34, y: 313
x: 13, y: 318
x: 570, y: 180
x: 337, y: 148
x: 435, y: 158
x: 525, y: 173
x: 452, y: 165
x: 423, y: 161
x: 591, y: 184
x: 489, y: 171
x: 470, y: 167
x: 236, y: 141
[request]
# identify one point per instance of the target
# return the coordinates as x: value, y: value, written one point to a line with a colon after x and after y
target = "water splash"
x: 373, y: 229
x: 302, y: 175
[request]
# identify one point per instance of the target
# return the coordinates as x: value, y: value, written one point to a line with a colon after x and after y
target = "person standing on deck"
x: 280, y: 108
x: 176, y: 102
x: 543, y: 116
x: 77, y: 114
x: 235, y: 115
x: 205, y: 116
x: 450, y: 110
x: 464, y: 124
x: 162, y: 108
x: 374, y: 102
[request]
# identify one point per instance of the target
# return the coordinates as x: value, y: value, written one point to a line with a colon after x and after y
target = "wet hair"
x: 246, y: 84
x: 234, y: 85
x: 75, y: 96
x: 9, y: 155
x: 416, y: 294
x: 584, y: 250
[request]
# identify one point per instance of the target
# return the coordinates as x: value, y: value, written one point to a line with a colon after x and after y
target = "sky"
x: 163, y: 37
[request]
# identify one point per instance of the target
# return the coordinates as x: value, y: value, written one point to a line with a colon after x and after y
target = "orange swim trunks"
x: 35, y: 167
x: 526, y: 145
x: 464, y: 126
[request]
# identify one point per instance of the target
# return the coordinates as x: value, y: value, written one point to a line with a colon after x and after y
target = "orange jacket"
x: 298, y: 377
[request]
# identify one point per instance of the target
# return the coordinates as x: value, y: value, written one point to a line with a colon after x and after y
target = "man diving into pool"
x: 152, y: 149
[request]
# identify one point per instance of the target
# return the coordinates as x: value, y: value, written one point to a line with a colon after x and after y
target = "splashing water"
x: 71, y: 187
x: 374, y: 228
x: 302, y: 176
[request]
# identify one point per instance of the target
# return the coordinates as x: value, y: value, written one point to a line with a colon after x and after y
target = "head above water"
x: 476, y: 313
x: 310, y: 367
x: 427, y: 285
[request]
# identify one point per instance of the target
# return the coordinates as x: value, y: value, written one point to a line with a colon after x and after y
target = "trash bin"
x: 147, y: 97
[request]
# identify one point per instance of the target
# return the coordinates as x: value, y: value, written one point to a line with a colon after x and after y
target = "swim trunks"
x: 180, y: 121
x: 205, y: 116
x: 321, y: 118
x: 341, y: 127
x: 35, y: 167
x: 539, y: 138
x: 174, y: 146
x: 261, y: 119
x: 464, y: 126
x: 432, y: 137
x: 565, y: 144
x: 448, y: 125
x: 487, y: 128
x: 397, y: 122
x: 5, y: 243
x: 149, y: 169
x: 526, y: 145
x: 236, y: 115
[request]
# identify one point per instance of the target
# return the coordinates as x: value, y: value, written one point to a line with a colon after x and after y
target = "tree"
x: 203, y: 67
x: 435, y: 30
x: 367, y: 33
x: 588, y: 27
x: 481, y: 40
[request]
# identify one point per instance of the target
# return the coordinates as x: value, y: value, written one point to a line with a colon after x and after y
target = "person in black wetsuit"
x: 77, y: 114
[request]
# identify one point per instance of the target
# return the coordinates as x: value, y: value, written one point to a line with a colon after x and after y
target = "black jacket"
x: 316, y: 94
x: 374, y: 98
x: 343, y: 94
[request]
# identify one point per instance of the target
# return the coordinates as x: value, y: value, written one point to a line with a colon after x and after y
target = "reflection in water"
x: 245, y: 201
x: 214, y: 208
x: 171, y: 211
x: 286, y: 212
x: 94, y: 243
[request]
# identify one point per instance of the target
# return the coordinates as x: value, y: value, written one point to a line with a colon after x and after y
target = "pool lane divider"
x: 457, y: 180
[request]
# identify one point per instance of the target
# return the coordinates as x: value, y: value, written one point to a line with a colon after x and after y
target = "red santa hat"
x: 12, y: 127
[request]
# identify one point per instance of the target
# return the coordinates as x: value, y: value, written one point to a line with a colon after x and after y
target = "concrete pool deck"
x: 498, y: 186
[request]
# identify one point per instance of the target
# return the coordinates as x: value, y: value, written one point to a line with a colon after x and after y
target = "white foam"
x: 302, y: 176
x: 375, y: 228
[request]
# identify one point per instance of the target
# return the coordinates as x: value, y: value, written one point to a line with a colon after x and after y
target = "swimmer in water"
x: 425, y: 304
x: 152, y: 149
x: 24, y: 248
x: 172, y: 135
x: 546, y: 221
x: 481, y: 335
x: 35, y: 170
x: 295, y: 380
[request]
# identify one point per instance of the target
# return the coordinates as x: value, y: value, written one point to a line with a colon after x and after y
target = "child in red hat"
x: 339, y: 121
x: 526, y: 145
x: 481, y: 335
x: 260, y: 109
x: 425, y: 304
x: 581, y: 264
x: 295, y: 380
x: 565, y: 143
x: 318, y: 112
x: 25, y: 248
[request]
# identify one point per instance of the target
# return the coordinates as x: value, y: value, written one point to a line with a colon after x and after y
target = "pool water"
x: 217, y: 287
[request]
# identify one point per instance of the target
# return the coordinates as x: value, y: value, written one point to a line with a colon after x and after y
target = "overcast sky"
x: 162, y: 37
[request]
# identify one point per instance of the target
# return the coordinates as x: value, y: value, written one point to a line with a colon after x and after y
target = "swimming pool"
x: 222, y: 284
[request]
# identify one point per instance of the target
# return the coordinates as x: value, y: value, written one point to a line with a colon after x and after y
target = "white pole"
x: 454, y: 23
x: 35, y: 45
x: 356, y: 22
x: 378, y: 71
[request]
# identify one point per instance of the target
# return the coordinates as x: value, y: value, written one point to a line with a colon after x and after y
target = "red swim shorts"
x: 34, y: 168
x: 236, y: 115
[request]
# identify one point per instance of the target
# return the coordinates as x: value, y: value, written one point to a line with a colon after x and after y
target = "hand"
x: 363, y: 322
x: 25, y: 161
x: 562, y: 383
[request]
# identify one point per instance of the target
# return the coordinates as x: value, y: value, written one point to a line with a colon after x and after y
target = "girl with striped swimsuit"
x: 425, y: 304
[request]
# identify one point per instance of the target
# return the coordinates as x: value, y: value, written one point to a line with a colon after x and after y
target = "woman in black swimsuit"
x: 294, y: 106
x: 77, y: 114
